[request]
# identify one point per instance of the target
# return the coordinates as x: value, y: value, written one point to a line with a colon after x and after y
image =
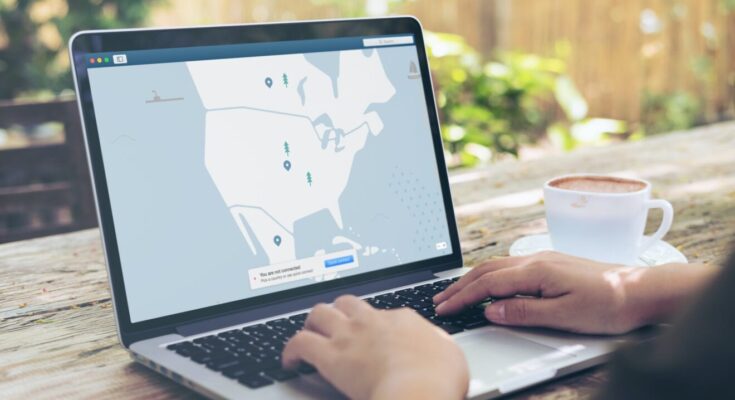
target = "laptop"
x: 245, y: 173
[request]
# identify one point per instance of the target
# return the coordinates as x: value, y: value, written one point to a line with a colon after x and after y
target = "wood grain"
x: 612, y: 61
x: 57, y: 333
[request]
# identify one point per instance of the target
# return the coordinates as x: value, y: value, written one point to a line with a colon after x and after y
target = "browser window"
x: 241, y: 170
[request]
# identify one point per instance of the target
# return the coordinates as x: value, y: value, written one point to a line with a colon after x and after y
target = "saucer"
x: 660, y: 253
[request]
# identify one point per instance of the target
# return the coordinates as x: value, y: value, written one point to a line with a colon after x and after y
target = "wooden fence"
x: 619, y: 48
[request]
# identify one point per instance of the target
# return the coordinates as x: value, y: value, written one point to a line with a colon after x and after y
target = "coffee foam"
x: 598, y: 184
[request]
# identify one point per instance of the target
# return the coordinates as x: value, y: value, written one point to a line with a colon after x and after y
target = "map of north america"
x: 281, y: 137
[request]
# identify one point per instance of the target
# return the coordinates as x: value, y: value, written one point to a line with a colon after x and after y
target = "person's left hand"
x: 376, y: 354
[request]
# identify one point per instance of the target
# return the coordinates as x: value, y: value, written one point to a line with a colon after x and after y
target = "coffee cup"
x: 602, y: 217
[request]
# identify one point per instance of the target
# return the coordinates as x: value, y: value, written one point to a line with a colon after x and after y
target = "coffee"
x: 602, y: 217
x: 598, y: 184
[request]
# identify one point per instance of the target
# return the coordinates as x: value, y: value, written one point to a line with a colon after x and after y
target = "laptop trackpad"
x: 497, y: 355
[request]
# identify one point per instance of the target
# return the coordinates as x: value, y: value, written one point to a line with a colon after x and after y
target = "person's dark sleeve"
x: 694, y: 359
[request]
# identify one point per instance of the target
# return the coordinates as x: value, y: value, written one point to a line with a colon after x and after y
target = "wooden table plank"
x: 57, y: 333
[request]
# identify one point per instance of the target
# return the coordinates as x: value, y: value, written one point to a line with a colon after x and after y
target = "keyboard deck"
x: 252, y: 355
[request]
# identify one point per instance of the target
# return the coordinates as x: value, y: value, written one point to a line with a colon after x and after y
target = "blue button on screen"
x: 333, y: 262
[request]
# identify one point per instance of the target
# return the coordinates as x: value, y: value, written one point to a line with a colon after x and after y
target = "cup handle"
x: 666, y: 221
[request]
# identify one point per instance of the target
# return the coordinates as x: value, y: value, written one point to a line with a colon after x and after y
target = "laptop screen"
x: 241, y: 170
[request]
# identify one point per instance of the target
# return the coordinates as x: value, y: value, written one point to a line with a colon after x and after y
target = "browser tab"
x: 120, y: 59
x: 387, y: 41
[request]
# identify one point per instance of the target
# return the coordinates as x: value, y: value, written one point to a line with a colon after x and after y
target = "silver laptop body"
x: 245, y: 173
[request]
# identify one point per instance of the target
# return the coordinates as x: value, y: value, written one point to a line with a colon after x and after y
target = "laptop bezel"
x: 86, y: 42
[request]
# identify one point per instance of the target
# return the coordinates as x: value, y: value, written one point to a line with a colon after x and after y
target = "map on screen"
x: 230, y: 178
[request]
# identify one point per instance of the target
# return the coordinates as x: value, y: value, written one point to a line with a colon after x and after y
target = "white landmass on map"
x: 248, y: 123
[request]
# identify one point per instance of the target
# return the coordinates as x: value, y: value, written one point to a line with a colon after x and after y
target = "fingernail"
x: 495, y: 312
x: 435, y: 298
x: 440, y: 307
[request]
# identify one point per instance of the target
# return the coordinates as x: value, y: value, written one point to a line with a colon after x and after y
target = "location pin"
x: 268, y: 82
x: 287, y: 165
x: 277, y: 240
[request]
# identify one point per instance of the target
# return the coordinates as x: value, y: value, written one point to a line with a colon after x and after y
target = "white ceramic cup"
x: 601, y: 226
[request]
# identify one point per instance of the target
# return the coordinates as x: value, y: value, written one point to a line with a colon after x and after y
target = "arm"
x: 692, y: 360
x: 662, y: 291
x: 575, y: 294
x: 374, y: 354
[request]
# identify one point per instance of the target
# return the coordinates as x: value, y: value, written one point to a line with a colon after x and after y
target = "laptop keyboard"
x: 252, y: 355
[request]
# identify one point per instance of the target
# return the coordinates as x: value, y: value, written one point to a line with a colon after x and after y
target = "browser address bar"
x: 387, y: 41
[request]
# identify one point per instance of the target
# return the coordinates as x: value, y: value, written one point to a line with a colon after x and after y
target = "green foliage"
x: 670, y: 111
x: 488, y: 107
x: 578, y: 129
x: 34, y: 60
x: 495, y: 107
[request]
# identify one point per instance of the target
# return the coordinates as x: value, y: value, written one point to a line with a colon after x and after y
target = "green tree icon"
x: 285, y: 80
x: 308, y: 178
x: 286, y: 149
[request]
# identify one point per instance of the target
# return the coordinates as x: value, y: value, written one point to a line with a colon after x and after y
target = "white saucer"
x: 659, y: 253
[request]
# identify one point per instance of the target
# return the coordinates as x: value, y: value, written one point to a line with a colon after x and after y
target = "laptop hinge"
x: 301, y: 303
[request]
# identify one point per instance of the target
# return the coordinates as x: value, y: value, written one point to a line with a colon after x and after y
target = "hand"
x: 375, y: 354
x: 573, y: 294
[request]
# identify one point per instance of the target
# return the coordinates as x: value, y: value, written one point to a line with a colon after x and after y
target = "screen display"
x: 241, y: 170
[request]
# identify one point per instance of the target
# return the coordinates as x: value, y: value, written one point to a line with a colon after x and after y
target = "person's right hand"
x: 559, y: 291
x: 374, y: 354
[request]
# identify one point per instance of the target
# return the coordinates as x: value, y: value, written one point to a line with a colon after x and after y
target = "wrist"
x: 654, y: 294
x: 422, y: 386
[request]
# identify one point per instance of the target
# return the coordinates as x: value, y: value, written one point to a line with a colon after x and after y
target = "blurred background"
x: 514, y: 79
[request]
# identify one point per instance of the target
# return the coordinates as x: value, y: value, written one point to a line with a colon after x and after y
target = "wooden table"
x: 57, y: 333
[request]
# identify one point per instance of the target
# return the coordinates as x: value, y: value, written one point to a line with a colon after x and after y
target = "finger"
x: 526, y: 312
x: 352, y: 306
x: 306, y: 346
x: 325, y: 320
x: 476, y: 272
x: 502, y: 283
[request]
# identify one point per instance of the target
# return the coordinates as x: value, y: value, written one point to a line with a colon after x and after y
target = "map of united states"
x: 281, y: 140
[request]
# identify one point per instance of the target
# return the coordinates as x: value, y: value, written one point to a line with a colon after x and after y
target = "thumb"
x: 523, y: 311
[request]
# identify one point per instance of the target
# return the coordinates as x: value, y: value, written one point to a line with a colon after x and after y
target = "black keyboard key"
x: 184, y: 351
x: 256, y: 348
x: 175, y: 346
x: 283, y: 325
x: 281, y: 374
x: 212, y: 343
x: 450, y: 328
x: 245, y: 348
x: 262, y: 355
x: 254, y: 381
x: 201, y: 358
x: 194, y: 352
x: 237, y: 371
x: 281, y: 339
x: 244, y: 367
x: 180, y: 345
x: 306, y: 368
x: 430, y: 290
x: 228, y: 333
x: 277, y: 321
x: 269, y: 363
x: 299, y: 318
x: 475, y: 324
x: 380, y: 305
x: 426, y: 312
x: 257, y: 330
x: 222, y: 354
x: 411, y: 295
x: 443, y: 283
x: 222, y: 364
